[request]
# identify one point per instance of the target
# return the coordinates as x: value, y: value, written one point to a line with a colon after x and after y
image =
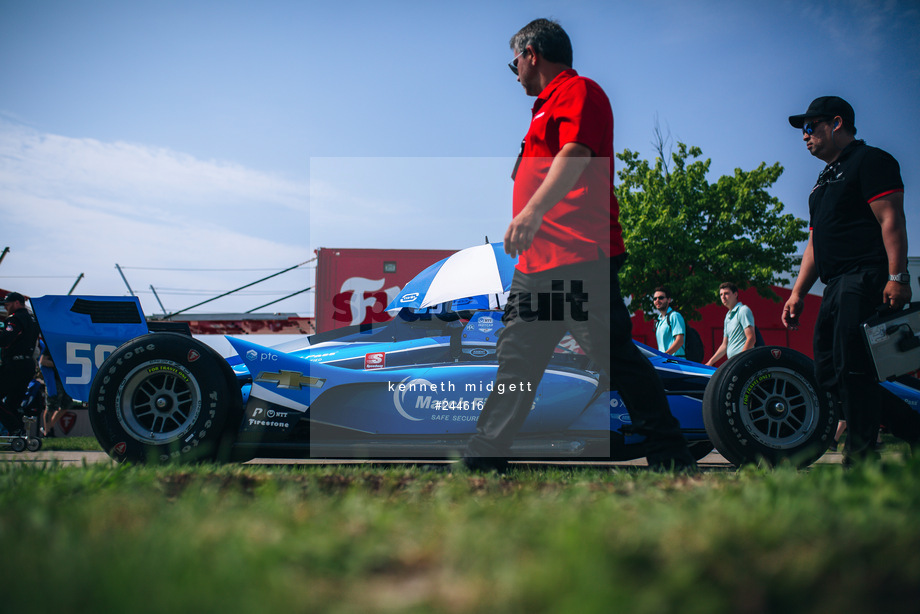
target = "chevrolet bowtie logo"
x: 290, y: 379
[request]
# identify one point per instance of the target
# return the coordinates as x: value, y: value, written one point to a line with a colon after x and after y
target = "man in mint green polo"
x: 739, y: 332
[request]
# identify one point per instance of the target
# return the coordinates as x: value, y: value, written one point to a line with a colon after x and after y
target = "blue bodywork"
x: 414, y: 385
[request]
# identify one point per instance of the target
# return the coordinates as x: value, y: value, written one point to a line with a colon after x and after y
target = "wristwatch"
x: 901, y: 278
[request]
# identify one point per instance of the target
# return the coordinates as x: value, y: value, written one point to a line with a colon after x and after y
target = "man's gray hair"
x: 547, y: 38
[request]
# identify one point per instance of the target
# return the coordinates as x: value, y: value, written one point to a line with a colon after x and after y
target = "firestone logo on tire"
x: 193, y: 355
x: 776, y: 353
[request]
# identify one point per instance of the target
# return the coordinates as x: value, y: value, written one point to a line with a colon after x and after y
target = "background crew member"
x: 18, y: 341
x: 738, y: 328
x: 670, y: 330
x: 57, y: 401
x: 857, y: 246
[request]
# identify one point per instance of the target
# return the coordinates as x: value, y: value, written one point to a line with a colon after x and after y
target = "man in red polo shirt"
x: 566, y: 233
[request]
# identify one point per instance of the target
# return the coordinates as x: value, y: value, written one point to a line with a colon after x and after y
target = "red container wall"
x: 354, y: 286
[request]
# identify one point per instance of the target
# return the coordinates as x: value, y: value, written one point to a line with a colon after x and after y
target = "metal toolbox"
x: 893, y: 340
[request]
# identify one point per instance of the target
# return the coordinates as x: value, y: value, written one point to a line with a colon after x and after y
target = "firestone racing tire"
x: 164, y: 397
x: 763, y: 405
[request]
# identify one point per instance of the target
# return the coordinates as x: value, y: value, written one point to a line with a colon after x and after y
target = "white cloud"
x: 73, y: 206
x: 425, y: 203
x: 89, y: 168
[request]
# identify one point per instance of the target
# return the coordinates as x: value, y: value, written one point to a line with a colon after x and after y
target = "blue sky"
x: 203, y: 145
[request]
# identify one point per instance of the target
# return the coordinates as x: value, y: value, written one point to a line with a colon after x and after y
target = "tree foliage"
x: 691, y: 235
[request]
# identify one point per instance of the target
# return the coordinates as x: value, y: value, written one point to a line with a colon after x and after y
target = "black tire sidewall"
x: 200, y: 440
x: 700, y: 449
x: 723, y: 408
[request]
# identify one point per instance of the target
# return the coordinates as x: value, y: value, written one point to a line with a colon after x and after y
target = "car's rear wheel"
x: 763, y: 405
x: 163, y: 397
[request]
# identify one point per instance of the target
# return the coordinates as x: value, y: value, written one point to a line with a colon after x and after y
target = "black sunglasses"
x: 513, y: 63
x: 809, y: 128
x: 659, y: 298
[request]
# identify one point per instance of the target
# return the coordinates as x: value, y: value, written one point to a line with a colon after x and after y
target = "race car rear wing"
x: 81, y: 331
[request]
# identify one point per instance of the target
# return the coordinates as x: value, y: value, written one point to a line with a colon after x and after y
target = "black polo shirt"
x: 18, y: 336
x: 846, y: 235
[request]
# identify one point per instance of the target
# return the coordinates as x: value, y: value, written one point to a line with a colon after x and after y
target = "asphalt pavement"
x: 712, y: 462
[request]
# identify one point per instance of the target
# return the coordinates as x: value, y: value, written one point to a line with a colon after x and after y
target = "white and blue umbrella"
x: 472, y: 275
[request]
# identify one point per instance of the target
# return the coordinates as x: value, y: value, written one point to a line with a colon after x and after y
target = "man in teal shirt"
x: 670, y: 330
x: 739, y: 332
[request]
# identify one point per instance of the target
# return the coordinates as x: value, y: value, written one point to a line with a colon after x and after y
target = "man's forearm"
x: 675, y: 345
x: 808, y: 272
x: 723, y: 349
x: 895, y: 238
x: 564, y: 172
x: 566, y: 168
x: 750, y: 339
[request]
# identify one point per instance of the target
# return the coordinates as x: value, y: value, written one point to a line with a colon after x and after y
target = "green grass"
x: 360, y: 538
x: 80, y: 444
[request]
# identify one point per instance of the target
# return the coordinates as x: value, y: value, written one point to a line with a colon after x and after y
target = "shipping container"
x: 354, y: 286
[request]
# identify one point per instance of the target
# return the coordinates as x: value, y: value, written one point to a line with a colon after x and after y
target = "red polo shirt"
x: 584, y: 224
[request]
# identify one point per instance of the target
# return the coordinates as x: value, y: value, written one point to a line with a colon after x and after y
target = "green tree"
x: 691, y: 235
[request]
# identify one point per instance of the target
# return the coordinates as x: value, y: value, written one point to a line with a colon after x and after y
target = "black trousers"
x: 14, y: 381
x: 585, y: 300
x: 843, y: 366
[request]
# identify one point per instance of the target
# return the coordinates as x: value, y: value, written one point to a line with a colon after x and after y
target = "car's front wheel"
x: 764, y: 405
x: 163, y: 397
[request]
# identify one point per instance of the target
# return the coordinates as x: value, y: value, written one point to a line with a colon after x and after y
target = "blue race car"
x: 411, y: 388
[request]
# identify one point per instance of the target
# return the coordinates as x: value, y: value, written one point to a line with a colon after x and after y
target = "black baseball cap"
x: 14, y: 296
x: 825, y: 106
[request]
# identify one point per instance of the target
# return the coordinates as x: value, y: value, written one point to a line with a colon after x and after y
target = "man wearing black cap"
x: 857, y: 246
x: 18, y: 339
